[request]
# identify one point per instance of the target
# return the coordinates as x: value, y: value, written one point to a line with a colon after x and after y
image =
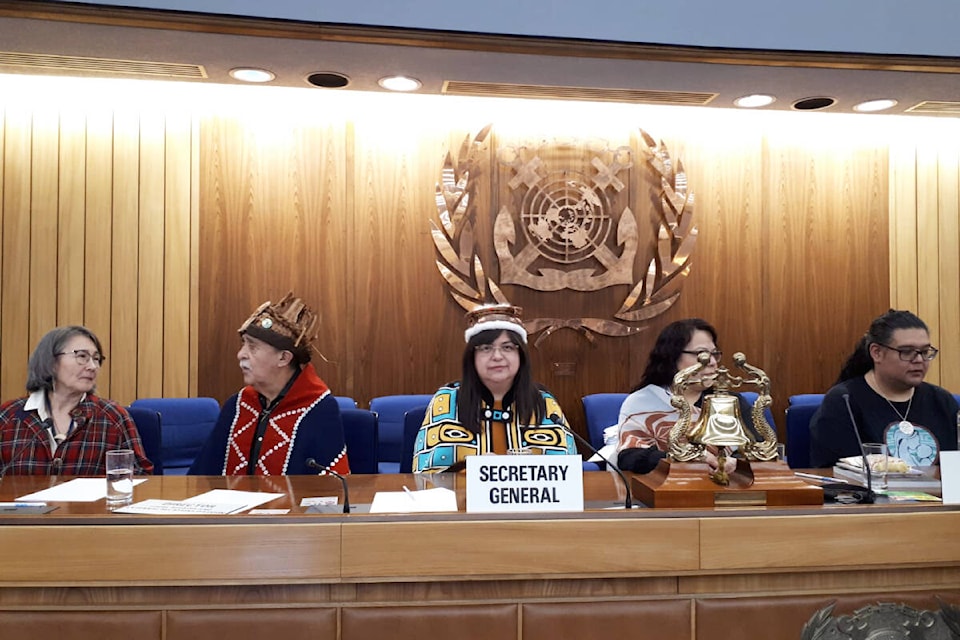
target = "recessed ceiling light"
x: 813, y: 104
x: 400, y: 83
x: 875, y: 105
x: 249, y: 74
x: 754, y: 100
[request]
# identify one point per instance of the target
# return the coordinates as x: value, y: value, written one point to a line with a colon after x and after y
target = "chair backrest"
x: 345, y: 402
x: 360, y: 433
x: 602, y: 410
x: 151, y: 435
x: 187, y: 422
x: 390, y: 411
x: 807, y: 398
x: 412, y: 420
x: 798, y: 434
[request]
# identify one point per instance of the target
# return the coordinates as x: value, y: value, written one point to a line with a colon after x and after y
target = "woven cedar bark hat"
x: 289, y: 325
x: 495, y: 316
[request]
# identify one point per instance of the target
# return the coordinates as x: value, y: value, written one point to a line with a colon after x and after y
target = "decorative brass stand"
x: 683, y: 479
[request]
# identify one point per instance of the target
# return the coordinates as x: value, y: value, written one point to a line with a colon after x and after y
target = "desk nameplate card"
x: 512, y: 484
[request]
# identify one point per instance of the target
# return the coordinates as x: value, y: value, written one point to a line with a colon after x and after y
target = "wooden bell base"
x: 688, y: 485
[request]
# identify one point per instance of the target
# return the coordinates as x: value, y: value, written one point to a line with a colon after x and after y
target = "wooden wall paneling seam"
x: 150, y: 304
x: 44, y: 223
x: 3, y: 218
x: 72, y: 218
x: 98, y: 232
x: 125, y: 293
x: 948, y: 275
x: 928, y: 248
x: 178, y: 172
x: 194, y: 257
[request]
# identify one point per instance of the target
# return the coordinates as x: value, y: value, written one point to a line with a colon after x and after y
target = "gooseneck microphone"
x: 628, y: 501
x: 323, y: 469
x: 871, y: 496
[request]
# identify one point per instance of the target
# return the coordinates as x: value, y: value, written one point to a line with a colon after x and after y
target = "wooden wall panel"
x: 15, y: 304
x: 125, y: 291
x: 43, y: 223
x: 84, y: 209
x: 948, y: 237
x: 98, y: 207
x: 72, y: 218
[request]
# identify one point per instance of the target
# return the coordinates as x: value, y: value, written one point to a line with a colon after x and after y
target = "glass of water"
x: 119, y: 476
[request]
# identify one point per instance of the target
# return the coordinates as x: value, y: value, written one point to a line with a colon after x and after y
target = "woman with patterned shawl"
x: 647, y: 416
x: 496, y: 407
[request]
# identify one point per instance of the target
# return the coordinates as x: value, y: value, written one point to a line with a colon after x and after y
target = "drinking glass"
x: 877, y: 461
x: 119, y: 476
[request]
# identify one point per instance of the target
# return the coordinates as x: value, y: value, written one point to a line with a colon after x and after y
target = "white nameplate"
x: 497, y: 484
x: 950, y: 476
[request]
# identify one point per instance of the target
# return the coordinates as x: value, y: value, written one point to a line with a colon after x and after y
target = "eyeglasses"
x: 83, y: 357
x: 506, y: 349
x: 716, y: 353
x: 909, y: 354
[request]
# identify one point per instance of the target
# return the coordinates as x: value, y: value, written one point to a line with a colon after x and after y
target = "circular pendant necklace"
x: 905, y: 426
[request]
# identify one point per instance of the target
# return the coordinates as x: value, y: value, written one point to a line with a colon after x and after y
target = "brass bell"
x: 720, y: 423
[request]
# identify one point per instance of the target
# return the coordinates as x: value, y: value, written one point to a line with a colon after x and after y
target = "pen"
x: 14, y: 505
x: 409, y: 493
x: 810, y: 476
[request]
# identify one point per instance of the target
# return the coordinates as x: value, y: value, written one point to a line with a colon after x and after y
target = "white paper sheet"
x: 77, y: 490
x: 245, y: 499
x: 950, y: 476
x: 426, y: 501
x: 175, y: 508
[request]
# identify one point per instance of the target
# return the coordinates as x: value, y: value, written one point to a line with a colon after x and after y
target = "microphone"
x: 313, y: 464
x: 628, y: 501
x: 871, y: 496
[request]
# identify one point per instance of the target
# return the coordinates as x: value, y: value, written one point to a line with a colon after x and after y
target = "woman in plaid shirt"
x: 62, y: 428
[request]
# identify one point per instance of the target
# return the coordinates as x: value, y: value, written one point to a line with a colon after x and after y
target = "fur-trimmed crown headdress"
x: 289, y: 325
x: 495, y: 316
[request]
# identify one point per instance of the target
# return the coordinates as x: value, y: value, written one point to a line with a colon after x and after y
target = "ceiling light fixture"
x: 754, y: 101
x: 875, y: 105
x: 328, y: 79
x: 400, y: 83
x: 814, y: 104
x: 250, y: 74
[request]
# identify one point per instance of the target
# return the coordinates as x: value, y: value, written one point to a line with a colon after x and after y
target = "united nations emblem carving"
x: 564, y: 221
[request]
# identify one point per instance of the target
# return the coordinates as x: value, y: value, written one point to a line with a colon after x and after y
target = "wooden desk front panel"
x: 468, y: 549
x: 184, y: 554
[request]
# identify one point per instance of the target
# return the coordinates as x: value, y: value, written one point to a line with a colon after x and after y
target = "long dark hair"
x: 526, y: 394
x: 662, y: 363
x: 881, y: 330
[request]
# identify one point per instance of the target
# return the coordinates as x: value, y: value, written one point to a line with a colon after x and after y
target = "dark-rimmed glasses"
x: 716, y: 353
x: 909, y: 354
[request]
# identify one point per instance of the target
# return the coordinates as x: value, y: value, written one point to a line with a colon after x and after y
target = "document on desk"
x: 425, y: 501
x: 215, y: 502
x: 77, y: 490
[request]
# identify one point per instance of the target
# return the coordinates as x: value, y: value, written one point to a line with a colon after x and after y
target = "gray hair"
x: 43, y: 360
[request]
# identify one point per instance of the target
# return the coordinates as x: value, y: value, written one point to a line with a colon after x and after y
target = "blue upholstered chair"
x: 390, y: 411
x: 799, y: 413
x: 602, y: 410
x: 187, y: 422
x: 412, y: 420
x: 360, y: 433
x: 345, y: 402
x: 148, y: 426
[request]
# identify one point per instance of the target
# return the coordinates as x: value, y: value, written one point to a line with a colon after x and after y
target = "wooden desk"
x: 396, y: 571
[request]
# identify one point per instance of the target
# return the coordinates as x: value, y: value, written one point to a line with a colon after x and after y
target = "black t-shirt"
x: 933, y: 412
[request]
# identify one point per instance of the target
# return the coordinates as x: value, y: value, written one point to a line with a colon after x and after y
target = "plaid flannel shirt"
x: 99, y: 426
